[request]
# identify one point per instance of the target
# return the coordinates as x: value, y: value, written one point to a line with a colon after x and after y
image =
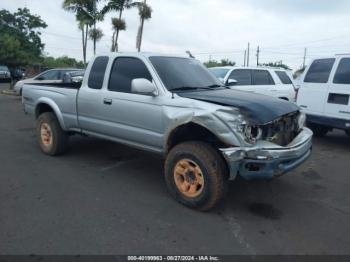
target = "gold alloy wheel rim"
x: 46, y: 134
x: 188, y: 178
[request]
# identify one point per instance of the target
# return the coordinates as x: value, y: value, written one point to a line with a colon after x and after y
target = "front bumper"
x: 266, y: 160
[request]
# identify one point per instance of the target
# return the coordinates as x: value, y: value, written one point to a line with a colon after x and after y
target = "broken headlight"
x: 252, y: 133
x: 301, y: 120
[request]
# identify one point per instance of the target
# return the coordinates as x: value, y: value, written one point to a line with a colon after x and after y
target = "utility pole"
x: 257, y: 56
x: 245, y: 57
x: 248, y: 54
x: 304, y: 61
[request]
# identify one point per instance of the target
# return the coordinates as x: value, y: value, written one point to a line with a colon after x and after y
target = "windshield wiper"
x: 186, y: 88
x: 217, y: 86
x: 183, y: 88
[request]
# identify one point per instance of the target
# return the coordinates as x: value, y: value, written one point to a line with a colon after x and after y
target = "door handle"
x: 107, y: 101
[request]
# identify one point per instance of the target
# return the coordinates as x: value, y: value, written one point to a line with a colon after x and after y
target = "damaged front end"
x: 280, y: 132
x: 274, y: 148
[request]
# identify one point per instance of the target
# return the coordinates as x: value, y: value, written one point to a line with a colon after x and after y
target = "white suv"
x: 324, y: 94
x: 263, y: 80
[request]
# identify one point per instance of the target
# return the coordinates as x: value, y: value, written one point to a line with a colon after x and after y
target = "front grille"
x: 282, y: 131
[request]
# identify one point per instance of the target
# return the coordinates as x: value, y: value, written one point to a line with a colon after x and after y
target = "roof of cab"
x: 141, y: 54
x: 248, y: 67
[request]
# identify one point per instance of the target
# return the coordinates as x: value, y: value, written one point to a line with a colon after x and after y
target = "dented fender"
x: 214, y: 118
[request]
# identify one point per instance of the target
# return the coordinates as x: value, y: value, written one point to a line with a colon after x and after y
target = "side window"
x: 319, y: 71
x: 285, y: 79
x: 97, y: 72
x: 50, y: 75
x: 124, y: 70
x: 342, y: 76
x: 262, y: 77
x: 242, y: 76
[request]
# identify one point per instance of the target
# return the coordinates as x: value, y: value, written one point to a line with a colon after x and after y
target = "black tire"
x: 59, y: 138
x: 213, y: 169
x: 318, y: 130
x: 347, y: 132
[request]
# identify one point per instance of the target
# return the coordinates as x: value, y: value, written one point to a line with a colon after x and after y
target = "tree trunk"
x: 113, y: 42
x: 141, y: 32
x: 116, y: 48
x: 95, y: 38
x: 83, y: 42
x: 86, y: 39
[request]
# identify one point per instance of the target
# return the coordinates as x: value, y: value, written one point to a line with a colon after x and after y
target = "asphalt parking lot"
x: 104, y: 198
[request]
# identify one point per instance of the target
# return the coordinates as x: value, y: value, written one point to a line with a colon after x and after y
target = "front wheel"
x: 196, y: 175
x: 52, y: 139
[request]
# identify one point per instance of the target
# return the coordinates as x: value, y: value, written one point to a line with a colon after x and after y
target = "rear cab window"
x: 342, y: 75
x: 97, y: 72
x: 283, y: 76
x: 319, y: 71
x: 262, y: 77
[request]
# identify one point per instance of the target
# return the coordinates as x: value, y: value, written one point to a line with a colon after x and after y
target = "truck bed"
x: 60, y: 96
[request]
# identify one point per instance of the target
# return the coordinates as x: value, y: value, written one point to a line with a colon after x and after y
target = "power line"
x: 308, y: 42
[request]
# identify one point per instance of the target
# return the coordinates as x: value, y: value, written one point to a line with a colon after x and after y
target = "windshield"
x: 4, y: 68
x: 183, y: 73
x: 219, y: 72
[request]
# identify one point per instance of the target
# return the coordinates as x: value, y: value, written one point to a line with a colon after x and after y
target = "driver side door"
x: 131, y: 117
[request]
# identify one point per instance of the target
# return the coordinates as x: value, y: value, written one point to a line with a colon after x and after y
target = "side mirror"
x: 143, y: 86
x: 231, y: 82
x: 40, y: 78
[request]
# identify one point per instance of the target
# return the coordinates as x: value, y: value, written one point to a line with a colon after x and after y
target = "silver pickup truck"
x: 208, y: 133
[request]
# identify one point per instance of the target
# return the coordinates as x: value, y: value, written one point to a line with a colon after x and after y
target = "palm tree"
x: 87, y: 16
x: 96, y: 35
x: 84, y: 20
x: 145, y: 13
x: 118, y: 23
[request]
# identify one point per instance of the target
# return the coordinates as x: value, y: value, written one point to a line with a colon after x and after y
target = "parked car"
x: 18, y: 74
x: 274, y: 82
x: 324, y: 94
x: 49, y: 76
x: 74, y: 76
x: 173, y: 106
x: 5, y: 75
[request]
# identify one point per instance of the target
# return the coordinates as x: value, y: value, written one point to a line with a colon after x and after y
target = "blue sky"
x: 212, y: 28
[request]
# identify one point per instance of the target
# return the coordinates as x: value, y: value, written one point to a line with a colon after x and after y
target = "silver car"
x: 46, y: 77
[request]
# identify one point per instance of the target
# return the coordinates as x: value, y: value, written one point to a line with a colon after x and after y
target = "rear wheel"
x: 52, y: 139
x: 196, y: 175
x: 318, y: 130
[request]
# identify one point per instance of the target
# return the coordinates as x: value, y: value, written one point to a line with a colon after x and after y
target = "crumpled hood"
x: 258, y: 109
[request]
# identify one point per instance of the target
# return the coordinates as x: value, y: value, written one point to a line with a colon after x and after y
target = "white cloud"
x: 219, y: 28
